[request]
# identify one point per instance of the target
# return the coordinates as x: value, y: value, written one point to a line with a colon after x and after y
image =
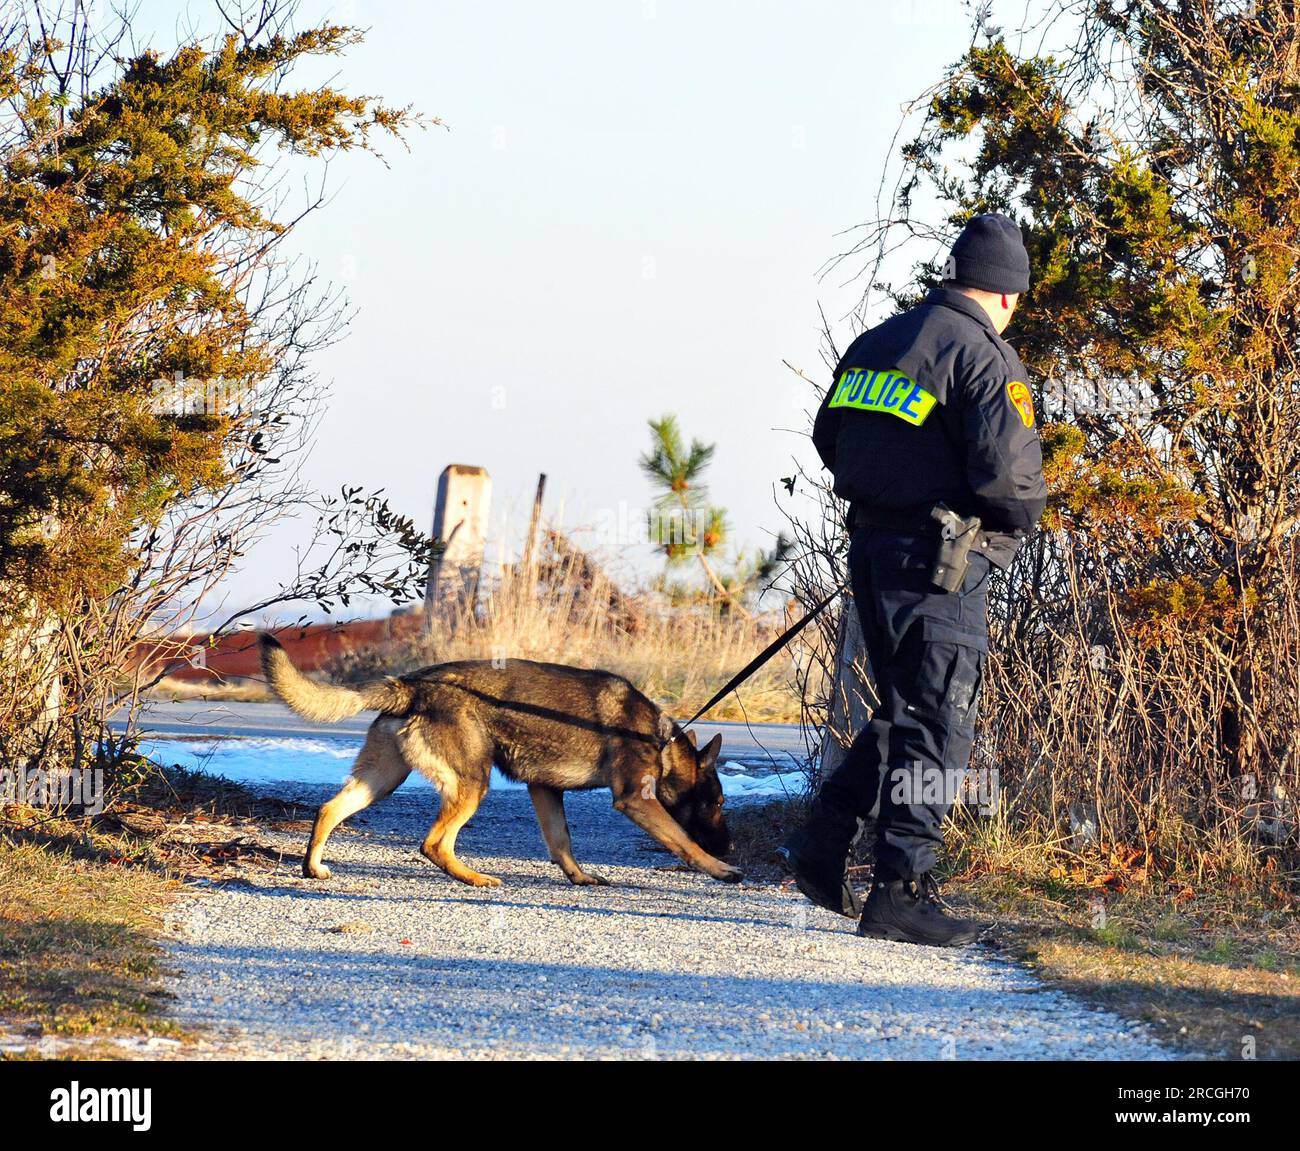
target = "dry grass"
x: 77, y: 956
x: 80, y: 902
x: 1217, y: 973
x: 238, y: 690
x: 1200, y: 943
x: 566, y: 611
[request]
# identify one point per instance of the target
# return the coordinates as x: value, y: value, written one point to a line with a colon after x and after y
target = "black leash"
x: 759, y: 660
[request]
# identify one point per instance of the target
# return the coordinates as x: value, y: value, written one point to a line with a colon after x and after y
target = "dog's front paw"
x: 588, y: 879
x: 315, y: 871
x: 728, y: 874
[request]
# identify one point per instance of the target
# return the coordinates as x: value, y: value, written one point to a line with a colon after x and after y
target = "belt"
x: 916, y: 521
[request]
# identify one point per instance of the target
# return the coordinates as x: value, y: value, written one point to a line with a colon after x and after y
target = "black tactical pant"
x: 926, y: 650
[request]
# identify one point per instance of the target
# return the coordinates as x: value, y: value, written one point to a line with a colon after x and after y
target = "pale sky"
x: 625, y: 217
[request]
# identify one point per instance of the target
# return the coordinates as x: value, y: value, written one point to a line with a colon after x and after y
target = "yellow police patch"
x: 870, y: 390
x: 1022, y: 401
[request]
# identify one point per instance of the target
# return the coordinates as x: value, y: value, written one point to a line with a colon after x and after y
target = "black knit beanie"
x: 990, y: 254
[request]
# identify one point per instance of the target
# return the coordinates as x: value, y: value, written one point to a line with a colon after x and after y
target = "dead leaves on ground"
x: 1115, y: 869
x: 202, y: 844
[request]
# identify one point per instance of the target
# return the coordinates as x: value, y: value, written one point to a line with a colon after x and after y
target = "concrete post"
x: 460, y: 521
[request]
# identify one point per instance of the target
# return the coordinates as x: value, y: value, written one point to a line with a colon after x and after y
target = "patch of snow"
x: 738, y: 782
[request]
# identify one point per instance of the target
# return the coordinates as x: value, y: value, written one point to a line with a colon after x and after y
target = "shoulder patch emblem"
x: 1022, y: 401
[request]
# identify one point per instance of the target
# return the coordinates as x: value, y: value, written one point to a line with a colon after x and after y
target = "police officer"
x: 929, y: 415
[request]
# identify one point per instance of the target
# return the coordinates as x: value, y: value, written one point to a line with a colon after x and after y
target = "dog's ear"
x: 665, y: 727
x: 709, y: 756
x: 690, y: 735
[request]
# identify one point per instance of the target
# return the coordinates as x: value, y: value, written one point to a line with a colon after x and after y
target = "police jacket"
x: 933, y: 406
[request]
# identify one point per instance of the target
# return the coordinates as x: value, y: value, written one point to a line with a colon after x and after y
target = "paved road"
x: 749, y: 743
x: 390, y: 959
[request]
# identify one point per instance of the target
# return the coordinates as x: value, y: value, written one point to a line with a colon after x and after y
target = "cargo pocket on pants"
x: 949, y: 675
x: 964, y: 687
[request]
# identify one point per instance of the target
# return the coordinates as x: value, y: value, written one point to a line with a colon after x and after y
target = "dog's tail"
x: 323, y: 702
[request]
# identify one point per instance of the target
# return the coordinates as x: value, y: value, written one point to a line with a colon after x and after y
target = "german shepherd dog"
x: 552, y: 727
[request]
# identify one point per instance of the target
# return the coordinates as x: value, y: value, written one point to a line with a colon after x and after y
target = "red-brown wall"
x: 310, y: 647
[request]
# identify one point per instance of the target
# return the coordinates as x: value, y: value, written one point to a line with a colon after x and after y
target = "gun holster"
x: 952, y: 552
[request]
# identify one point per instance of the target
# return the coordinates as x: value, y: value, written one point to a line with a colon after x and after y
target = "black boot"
x: 911, y: 911
x: 817, y: 856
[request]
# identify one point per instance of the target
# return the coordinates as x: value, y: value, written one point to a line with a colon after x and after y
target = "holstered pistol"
x: 952, y: 556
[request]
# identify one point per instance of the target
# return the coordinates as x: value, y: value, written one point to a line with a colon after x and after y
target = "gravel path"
x: 390, y: 959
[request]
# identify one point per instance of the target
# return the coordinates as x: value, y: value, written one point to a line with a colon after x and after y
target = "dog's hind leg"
x: 549, y: 805
x: 378, y: 771
x: 433, y: 747
x: 458, y: 807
